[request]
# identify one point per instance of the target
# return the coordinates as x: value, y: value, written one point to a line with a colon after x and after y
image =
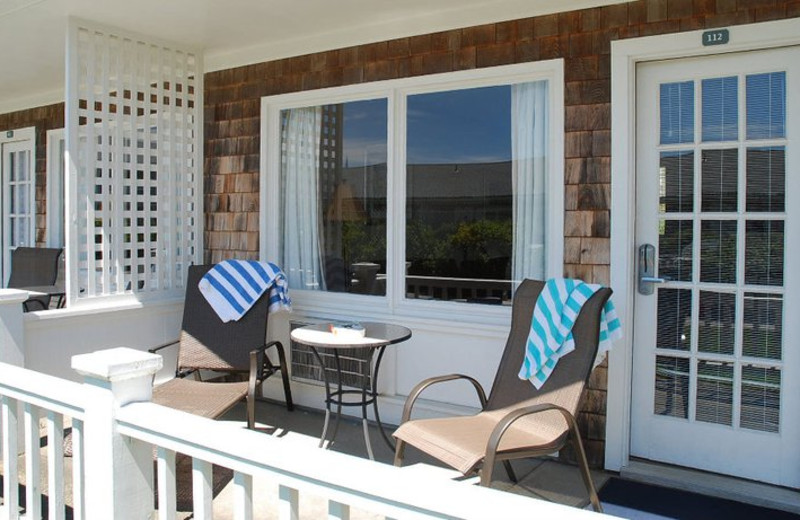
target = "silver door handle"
x: 647, y: 268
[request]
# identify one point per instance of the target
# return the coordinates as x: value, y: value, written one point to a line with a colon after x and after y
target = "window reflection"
x: 474, y: 183
x: 333, y: 194
x: 475, y: 191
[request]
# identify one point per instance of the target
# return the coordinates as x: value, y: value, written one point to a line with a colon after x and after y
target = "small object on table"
x: 347, y: 329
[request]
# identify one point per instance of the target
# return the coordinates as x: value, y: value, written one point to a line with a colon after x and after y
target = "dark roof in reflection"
x: 492, y: 179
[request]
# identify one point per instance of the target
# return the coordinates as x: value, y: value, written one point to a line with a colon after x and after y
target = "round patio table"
x: 376, y: 338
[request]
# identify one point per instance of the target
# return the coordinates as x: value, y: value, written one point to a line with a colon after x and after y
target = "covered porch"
x: 173, y: 124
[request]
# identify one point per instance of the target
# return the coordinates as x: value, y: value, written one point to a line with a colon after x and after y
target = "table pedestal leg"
x: 327, y: 398
x: 375, y: 400
x: 365, y: 425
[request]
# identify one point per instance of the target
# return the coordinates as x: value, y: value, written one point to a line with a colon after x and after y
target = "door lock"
x: 647, y: 266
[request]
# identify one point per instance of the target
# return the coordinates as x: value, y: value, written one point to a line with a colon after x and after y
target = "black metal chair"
x: 34, y: 267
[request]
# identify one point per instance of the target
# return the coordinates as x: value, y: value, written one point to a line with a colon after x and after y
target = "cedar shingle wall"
x: 582, y: 38
x: 43, y: 118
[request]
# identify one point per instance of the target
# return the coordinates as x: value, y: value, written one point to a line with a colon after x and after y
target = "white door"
x: 716, y: 380
x: 18, y: 203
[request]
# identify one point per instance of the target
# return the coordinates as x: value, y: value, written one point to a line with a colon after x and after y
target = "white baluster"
x: 33, y: 490
x: 78, y: 482
x: 201, y: 489
x: 242, y: 496
x: 289, y: 503
x: 55, y: 466
x: 167, y: 492
x: 338, y: 511
x: 10, y: 415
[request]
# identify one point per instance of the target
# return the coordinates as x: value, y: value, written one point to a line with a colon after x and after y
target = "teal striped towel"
x: 232, y: 286
x: 554, y: 315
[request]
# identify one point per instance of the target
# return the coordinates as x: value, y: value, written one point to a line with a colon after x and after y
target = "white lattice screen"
x: 134, y: 139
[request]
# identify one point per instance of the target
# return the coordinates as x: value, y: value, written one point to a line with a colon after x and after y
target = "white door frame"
x: 56, y: 147
x: 625, y: 54
x: 8, y: 136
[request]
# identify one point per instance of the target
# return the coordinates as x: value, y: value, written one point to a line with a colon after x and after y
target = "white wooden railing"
x: 53, y: 399
x: 115, y: 429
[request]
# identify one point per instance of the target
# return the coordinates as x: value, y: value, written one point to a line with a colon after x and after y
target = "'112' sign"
x: 716, y: 37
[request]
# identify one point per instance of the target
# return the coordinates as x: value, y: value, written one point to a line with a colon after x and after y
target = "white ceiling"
x: 230, y: 33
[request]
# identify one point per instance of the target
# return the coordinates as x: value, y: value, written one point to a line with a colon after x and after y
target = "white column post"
x: 118, y: 471
x: 12, y: 334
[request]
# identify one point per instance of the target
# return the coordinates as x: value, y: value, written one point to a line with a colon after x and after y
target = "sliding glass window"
x: 442, y: 191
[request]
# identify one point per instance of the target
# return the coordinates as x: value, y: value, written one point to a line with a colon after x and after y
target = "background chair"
x: 236, y: 348
x: 34, y: 267
x: 517, y: 420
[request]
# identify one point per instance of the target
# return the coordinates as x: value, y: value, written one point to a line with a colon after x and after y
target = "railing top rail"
x: 42, y: 390
x: 384, y: 489
x: 450, y: 279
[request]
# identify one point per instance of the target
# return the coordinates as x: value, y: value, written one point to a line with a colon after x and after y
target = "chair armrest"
x: 510, y: 418
x: 271, y: 344
x: 423, y: 385
x: 165, y: 345
x: 260, y: 366
x: 155, y: 350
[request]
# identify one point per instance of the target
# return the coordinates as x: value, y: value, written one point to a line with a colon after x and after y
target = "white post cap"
x: 8, y: 296
x: 117, y: 364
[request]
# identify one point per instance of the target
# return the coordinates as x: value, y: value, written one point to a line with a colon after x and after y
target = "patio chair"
x: 517, y: 420
x: 236, y: 349
x: 34, y: 267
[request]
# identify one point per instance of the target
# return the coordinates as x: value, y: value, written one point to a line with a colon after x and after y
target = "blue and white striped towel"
x: 554, y: 315
x: 232, y: 286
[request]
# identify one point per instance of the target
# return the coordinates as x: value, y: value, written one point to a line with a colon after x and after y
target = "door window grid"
x: 18, y: 190
x: 20, y: 187
x: 754, y: 316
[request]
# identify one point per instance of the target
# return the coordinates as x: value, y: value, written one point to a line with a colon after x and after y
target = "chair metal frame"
x: 208, y: 344
x: 520, y: 397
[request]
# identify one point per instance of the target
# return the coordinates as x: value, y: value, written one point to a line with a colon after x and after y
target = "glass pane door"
x: 712, y: 366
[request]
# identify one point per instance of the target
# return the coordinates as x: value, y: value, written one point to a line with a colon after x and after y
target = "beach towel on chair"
x: 554, y: 314
x: 231, y: 287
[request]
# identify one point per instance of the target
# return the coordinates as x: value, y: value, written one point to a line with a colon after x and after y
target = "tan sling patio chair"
x: 517, y: 420
x: 235, y: 348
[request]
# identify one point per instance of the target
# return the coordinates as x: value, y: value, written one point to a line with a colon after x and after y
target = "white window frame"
x: 9, y: 136
x: 394, y: 303
x: 56, y: 171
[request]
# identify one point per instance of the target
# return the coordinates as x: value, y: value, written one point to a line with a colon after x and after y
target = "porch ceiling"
x: 32, y: 32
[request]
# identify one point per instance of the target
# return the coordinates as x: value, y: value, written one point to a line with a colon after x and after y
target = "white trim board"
x: 55, y: 187
x: 18, y: 134
x: 625, y: 54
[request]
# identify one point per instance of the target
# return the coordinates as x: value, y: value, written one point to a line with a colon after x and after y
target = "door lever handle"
x: 647, y: 268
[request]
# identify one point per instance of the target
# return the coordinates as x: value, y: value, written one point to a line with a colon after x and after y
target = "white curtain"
x: 529, y: 140
x: 301, y: 222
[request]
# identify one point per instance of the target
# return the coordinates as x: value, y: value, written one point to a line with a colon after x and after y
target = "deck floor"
x: 545, y: 479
